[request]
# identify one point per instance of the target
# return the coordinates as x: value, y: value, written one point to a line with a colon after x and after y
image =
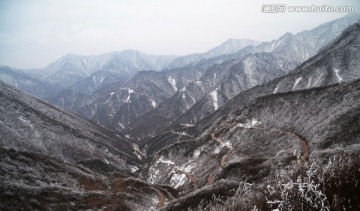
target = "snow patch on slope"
x: 154, y: 169
x: 137, y: 151
x: 337, y: 71
x: 223, y: 144
x: 253, y: 123
x: 187, y: 125
x: 214, y: 98
x: 26, y: 122
x: 276, y: 89
x: 178, y: 178
x: 172, y: 81
x: 121, y: 125
x: 168, y: 162
x: 130, y: 91
x: 153, y: 103
x: 297, y: 82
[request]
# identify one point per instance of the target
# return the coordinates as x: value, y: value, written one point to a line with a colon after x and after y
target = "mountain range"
x: 133, y: 106
x: 245, y: 125
x: 222, y: 82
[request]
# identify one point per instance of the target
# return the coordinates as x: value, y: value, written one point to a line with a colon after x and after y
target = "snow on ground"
x: 217, y: 150
x: 130, y: 91
x: 276, y: 89
x: 223, y: 144
x: 178, y: 179
x: 338, y: 75
x: 214, y: 98
x: 177, y: 173
x: 168, y: 162
x: 227, y: 144
x: 296, y: 82
x: 26, y: 122
x: 187, y: 125
x: 137, y: 151
x: 153, y: 103
x: 197, y: 153
x: 180, y: 133
x: 154, y: 171
x: 134, y: 168
x: 153, y: 174
x: 98, y: 80
x: 107, y: 162
x: 128, y: 99
x: 253, y: 123
x: 121, y: 125
x: 172, y: 81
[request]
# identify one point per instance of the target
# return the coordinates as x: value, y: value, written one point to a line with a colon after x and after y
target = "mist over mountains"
x: 132, y: 131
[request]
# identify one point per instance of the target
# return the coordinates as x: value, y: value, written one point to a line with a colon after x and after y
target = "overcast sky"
x: 34, y: 33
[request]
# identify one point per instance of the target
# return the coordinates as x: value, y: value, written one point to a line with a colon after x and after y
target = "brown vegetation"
x: 161, y: 199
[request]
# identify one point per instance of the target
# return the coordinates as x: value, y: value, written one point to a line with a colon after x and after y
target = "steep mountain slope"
x: 337, y: 54
x: 223, y: 81
x: 268, y: 133
x: 337, y: 62
x: 219, y: 83
x: 50, y: 159
x: 119, y: 105
x: 26, y: 83
x: 98, y: 80
x: 228, y: 47
x: 29, y: 124
x: 33, y: 181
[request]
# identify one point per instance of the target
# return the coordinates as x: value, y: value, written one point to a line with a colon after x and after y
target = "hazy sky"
x: 34, y: 33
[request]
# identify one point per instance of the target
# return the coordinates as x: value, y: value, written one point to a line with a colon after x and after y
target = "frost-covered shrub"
x: 333, y: 185
x: 340, y: 179
x: 314, y: 186
x: 297, y: 188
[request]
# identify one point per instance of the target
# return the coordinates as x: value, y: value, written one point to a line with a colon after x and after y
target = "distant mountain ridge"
x: 86, y: 74
x: 72, y: 68
x: 65, y: 135
x: 26, y: 83
x: 228, y: 47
